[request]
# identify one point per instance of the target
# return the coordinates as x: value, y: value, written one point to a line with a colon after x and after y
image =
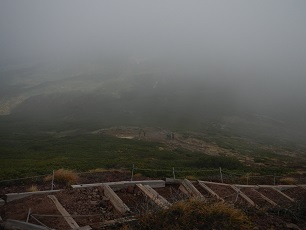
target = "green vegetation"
x: 24, y: 155
x: 273, y: 155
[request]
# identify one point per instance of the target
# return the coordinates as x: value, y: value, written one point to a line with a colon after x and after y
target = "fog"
x: 254, y: 49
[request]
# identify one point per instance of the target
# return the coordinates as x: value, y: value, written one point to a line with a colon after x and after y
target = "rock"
x: 292, y: 226
x: 138, y: 193
x: 103, y: 203
x: 130, y: 190
x: 2, y: 202
x: 98, y: 196
x: 105, y: 198
x: 94, y: 202
x: 89, y: 197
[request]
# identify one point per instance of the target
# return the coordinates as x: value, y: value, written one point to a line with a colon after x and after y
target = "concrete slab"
x: 173, y: 181
x: 123, y: 184
x: 16, y: 196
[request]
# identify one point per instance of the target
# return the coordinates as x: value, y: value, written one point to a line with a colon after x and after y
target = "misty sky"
x: 262, y: 35
x: 257, y: 45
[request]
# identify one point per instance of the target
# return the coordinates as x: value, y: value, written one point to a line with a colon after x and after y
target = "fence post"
x: 52, y: 182
x: 173, y: 172
x: 247, y: 178
x: 221, y: 174
x: 132, y: 173
x: 274, y: 179
x: 29, y: 213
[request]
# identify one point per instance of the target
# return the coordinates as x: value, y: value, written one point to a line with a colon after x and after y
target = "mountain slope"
x: 136, y: 94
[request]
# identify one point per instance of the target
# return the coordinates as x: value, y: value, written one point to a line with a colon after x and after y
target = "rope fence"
x: 217, y: 175
x: 24, y: 178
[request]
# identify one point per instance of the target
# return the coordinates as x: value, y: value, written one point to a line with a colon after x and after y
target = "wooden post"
x: 245, y: 197
x: 191, y: 191
x: 203, y: 185
x: 221, y: 174
x: 154, y: 196
x: 115, y: 200
x: 71, y: 222
x: 265, y: 198
x: 109, y: 223
x: 16, y: 196
x: 52, y: 182
x: 173, y: 172
x: 29, y: 213
x: 283, y: 194
x: 33, y: 217
x: 302, y: 186
x: 16, y: 224
x: 132, y: 173
x: 123, y: 184
x: 247, y: 178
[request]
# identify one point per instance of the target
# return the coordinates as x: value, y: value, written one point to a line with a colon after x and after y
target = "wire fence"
x: 216, y: 175
x: 224, y: 176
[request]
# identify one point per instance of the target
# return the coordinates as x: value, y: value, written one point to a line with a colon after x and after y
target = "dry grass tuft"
x: 33, y: 188
x: 98, y: 170
x: 137, y: 175
x: 64, y: 175
x: 196, y: 215
x: 101, y: 170
x: 192, y: 178
x: 288, y: 180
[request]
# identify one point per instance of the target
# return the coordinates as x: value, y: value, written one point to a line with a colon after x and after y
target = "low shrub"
x: 196, y: 215
x: 98, y: 170
x: 33, y: 188
x: 191, y: 177
x: 288, y: 180
x: 64, y: 176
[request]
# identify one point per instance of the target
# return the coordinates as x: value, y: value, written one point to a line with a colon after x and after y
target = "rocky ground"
x: 89, y: 206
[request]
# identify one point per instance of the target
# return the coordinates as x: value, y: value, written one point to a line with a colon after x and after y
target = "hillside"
x: 53, y: 97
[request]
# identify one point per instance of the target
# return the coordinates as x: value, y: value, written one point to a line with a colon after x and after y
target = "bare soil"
x: 296, y: 193
x: 275, y: 196
x: 89, y: 206
x: 169, y: 138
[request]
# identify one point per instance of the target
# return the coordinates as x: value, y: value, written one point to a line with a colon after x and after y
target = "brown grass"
x: 64, y: 175
x: 33, y: 188
x: 192, y: 178
x: 288, y: 180
x: 137, y: 175
x: 101, y: 170
x: 196, y: 215
x: 98, y: 170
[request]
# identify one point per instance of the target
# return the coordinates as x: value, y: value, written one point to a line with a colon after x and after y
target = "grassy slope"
x: 22, y: 155
x: 35, y: 154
